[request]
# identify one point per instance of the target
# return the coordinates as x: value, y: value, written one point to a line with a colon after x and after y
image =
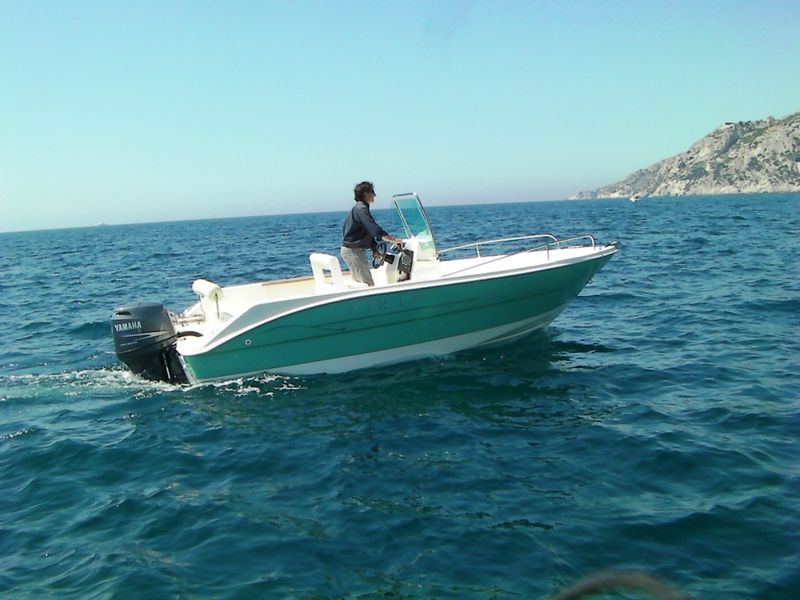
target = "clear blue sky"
x: 128, y: 111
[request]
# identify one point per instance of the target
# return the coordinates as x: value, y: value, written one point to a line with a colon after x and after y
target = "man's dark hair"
x: 361, y: 189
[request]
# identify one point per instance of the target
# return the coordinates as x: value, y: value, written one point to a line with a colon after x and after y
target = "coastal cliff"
x: 736, y: 158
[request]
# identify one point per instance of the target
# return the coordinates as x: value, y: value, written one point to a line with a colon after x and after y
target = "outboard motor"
x: 144, y: 340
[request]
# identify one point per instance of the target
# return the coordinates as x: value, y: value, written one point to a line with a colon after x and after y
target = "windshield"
x: 414, y: 219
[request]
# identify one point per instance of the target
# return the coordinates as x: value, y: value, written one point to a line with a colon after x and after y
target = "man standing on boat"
x: 361, y: 233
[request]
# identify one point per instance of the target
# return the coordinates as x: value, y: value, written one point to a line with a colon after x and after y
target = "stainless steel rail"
x: 555, y: 241
x: 546, y: 247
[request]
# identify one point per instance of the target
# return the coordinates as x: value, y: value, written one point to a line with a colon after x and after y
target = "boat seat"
x: 320, y: 263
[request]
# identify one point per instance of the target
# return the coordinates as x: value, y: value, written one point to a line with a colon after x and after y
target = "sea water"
x: 653, y: 427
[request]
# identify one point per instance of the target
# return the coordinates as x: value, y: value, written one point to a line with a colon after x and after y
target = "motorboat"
x: 425, y: 302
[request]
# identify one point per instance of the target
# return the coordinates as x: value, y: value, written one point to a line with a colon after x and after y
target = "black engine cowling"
x: 144, y: 339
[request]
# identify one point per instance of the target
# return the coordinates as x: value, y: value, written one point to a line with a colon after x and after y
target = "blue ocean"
x: 655, y: 426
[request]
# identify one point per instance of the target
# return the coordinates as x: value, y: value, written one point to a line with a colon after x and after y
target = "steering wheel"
x: 379, y: 254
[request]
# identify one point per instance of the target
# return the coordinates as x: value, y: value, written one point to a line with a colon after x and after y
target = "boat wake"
x: 74, y: 383
x: 111, y: 382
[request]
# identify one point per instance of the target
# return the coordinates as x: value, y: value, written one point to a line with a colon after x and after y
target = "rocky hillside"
x: 737, y: 158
